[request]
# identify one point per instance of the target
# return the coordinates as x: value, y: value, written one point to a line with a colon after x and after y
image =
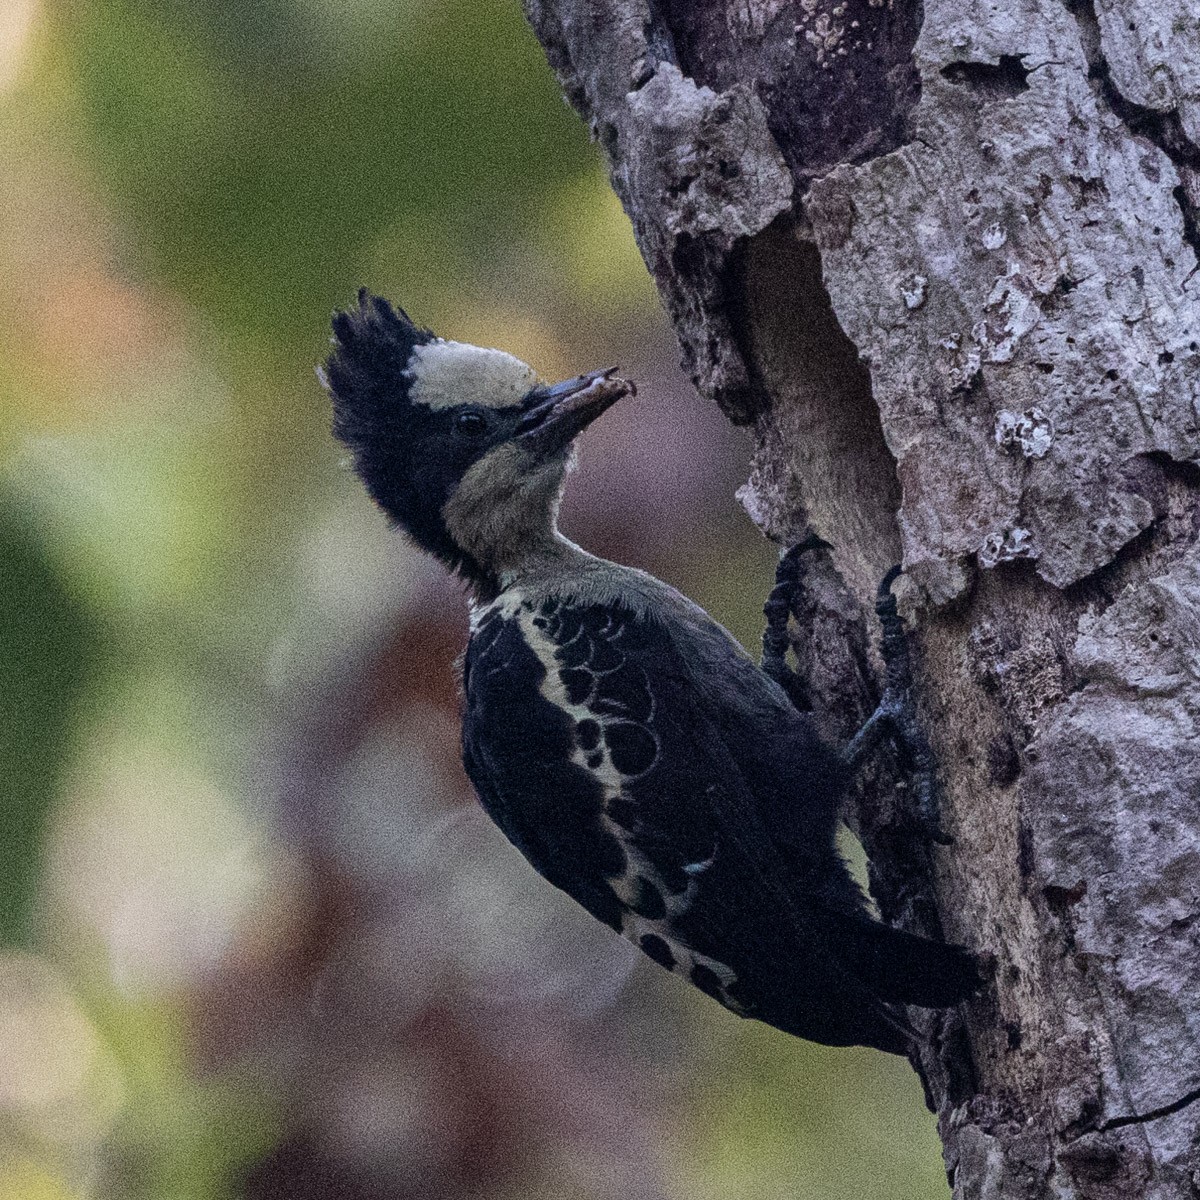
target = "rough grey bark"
x: 942, y: 260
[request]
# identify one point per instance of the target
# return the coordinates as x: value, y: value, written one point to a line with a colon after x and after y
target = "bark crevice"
x: 838, y: 476
x: 836, y: 77
x: 1001, y: 80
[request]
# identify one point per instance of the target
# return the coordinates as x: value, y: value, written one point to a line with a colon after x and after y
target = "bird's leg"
x: 897, y: 714
x: 780, y: 606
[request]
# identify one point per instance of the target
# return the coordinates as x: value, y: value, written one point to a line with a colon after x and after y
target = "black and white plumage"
x: 620, y: 738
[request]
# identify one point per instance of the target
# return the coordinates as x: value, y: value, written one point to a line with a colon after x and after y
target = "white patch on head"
x: 445, y: 374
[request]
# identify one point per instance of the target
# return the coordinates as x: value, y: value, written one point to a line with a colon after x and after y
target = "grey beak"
x: 555, y: 414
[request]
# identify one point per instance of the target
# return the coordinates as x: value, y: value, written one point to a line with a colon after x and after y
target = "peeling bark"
x: 943, y: 260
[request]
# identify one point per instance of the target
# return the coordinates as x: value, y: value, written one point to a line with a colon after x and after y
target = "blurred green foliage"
x: 824, y: 1124
x: 261, y: 152
x: 50, y: 650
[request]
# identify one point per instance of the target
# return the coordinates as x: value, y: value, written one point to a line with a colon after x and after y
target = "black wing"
x: 679, y: 798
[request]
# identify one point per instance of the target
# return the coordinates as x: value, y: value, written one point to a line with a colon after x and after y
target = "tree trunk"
x: 943, y: 263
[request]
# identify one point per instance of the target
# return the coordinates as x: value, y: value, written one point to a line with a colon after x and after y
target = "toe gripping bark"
x: 779, y: 608
x: 896, y: 716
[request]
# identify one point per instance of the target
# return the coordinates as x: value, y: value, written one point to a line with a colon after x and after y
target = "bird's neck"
x: 503, y: 523
x: 523, y: 553
x: 553, y: 555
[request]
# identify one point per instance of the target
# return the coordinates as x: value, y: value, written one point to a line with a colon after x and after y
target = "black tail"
x: 902, y: 968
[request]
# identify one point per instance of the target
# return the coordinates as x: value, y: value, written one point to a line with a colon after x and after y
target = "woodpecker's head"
x: 464, y: 448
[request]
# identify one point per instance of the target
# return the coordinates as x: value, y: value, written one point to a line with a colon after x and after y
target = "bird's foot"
x: 779, y: 608
x: 896, y: 717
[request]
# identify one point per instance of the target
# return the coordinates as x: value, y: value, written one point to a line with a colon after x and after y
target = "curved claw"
x: 885, y: 584
x: 777, y: 610
x: 810, y: 541
x: 896, y: 715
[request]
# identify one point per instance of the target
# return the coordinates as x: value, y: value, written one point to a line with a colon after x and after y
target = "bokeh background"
x: 257, y: 939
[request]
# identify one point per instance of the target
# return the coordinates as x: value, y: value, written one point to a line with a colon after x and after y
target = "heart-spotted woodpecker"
x: 621, y: 739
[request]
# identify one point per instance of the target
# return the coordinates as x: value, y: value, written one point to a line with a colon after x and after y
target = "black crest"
x: 401, y: 450
x: 364, y: 373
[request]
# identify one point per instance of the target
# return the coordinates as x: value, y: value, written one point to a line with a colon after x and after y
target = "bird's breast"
x: 597, y: 675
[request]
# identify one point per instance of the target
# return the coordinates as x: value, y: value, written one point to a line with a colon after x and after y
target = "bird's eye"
x: 472, y: 424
